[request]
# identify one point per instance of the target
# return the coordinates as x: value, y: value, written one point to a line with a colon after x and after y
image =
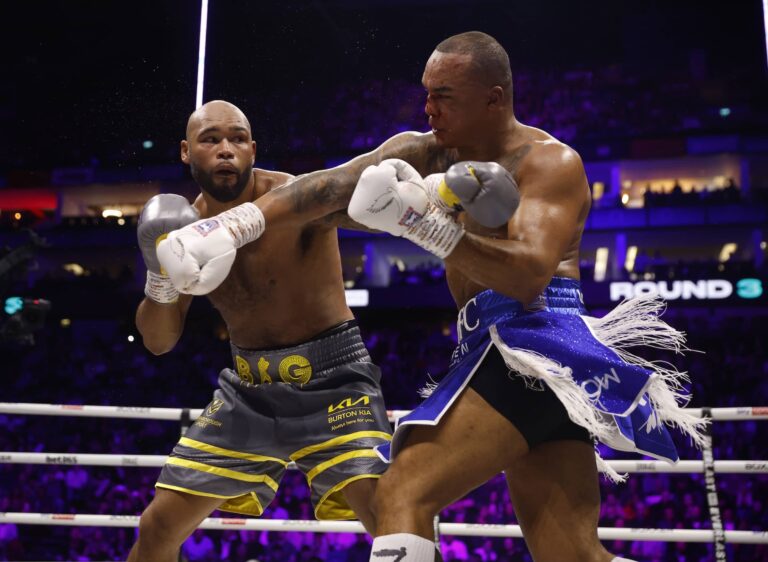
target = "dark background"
x: 86, y: 82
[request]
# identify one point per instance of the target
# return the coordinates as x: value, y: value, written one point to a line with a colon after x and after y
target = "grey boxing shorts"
x: 318, y: 404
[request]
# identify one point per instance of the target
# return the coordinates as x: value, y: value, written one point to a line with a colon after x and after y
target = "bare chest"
x: 263, y: 271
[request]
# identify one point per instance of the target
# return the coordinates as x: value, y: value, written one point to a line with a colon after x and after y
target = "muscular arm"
x: 319, y: 194
x: 553, y: 206
x: 161, y: 325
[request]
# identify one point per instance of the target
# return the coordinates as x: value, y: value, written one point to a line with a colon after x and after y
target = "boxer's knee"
x: 398, y: 493
x: 160, y: 529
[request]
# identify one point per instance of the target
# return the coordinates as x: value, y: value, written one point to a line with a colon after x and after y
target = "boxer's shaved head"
x: 489, y: 60
x: 216, y: 111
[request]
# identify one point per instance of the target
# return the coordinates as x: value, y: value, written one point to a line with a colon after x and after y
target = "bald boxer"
x: 534, y: 379
x: 302, y: 387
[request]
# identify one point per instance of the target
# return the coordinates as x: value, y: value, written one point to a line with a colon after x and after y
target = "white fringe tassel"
x: 428, y: 388
x: 536, y: 367
x: 634, y: 322
x: 637, y: 322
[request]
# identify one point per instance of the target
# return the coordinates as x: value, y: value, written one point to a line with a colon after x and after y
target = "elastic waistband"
x: 301, y: 363
x: 562, y: 296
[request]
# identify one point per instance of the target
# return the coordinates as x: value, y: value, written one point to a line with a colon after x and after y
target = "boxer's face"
x: 220, y: 152
x: 456, y: 101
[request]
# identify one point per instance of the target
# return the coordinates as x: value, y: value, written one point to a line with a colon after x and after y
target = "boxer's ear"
x: 496, y: 98
x: 184, y: 151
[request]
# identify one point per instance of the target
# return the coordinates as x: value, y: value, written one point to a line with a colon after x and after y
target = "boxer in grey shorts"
x: 310, y: 395
x: 318, y: 404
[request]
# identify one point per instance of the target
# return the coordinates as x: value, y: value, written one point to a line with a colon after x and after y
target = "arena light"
x: 727, y: 251
x: 201, y: 53
x: 601, y: 264
x: 357, y: 297
x: 13, y: 305
x: 765, y: 28
x: 625, y: 198
x: 106, y: 213
x: 629, y: 261
x: 74, y: 268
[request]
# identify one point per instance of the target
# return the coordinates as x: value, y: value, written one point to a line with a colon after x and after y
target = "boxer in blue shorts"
x: 534, y: 379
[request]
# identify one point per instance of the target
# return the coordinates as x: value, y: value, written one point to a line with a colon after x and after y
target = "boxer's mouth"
x: 225, y: 171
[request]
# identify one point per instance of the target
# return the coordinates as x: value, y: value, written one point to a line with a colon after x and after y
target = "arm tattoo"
x: 328, y: 191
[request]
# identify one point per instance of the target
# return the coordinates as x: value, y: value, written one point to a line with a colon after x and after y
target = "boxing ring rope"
x: 155, y: 461
x: 175, y: 414
x: 708, y: 466
x: 454, y: 529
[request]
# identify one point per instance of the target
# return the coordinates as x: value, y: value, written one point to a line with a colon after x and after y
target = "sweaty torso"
x: 524, y: 145
x: 286, y: 286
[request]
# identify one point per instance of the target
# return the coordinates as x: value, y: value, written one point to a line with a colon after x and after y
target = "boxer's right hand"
x: 393, y: 197
x: 162, y: 214
x: 199, y: 256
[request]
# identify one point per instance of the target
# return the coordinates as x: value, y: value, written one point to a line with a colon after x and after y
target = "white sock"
x: 617, y: 559
x: 402, y: 547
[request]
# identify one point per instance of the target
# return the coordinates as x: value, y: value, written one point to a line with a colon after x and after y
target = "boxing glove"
x: 198, y: 257
x: 162, y: 214
x: 485, y: 190
x: 393, y: 197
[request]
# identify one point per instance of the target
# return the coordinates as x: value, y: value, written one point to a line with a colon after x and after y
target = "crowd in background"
x: 93, y: 362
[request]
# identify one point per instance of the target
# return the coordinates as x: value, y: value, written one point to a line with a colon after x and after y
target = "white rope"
x: 130, y: 412
x: 454, y: 529
x: 661, y: 467
x: 145, y: 413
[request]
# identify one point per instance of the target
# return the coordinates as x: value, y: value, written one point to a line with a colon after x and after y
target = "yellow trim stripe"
x: 337, y: 460
x: 200, y: 446
x: 338, y: 441
x: 248, y: 504
x: 223, y: 472
x: 195, y: 492
x: 337, y: 512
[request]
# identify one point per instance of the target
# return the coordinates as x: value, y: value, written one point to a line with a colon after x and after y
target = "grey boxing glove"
x: 161, y: 215
x: 485, y: 190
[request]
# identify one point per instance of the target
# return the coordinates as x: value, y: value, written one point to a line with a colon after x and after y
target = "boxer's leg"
x: 555, y: 493
x: 359, y: 496
x: 437, y: 466
x: 167, y: 522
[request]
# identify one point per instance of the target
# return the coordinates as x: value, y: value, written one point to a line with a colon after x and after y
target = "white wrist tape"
x: 441, y: 195
x: 436, y: 232
x: 245, y: 223
x: 160, y: 289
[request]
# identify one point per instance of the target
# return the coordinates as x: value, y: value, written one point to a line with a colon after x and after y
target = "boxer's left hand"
x: 392, y: 197
x: 198, y: 257
x: 486, y: 190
